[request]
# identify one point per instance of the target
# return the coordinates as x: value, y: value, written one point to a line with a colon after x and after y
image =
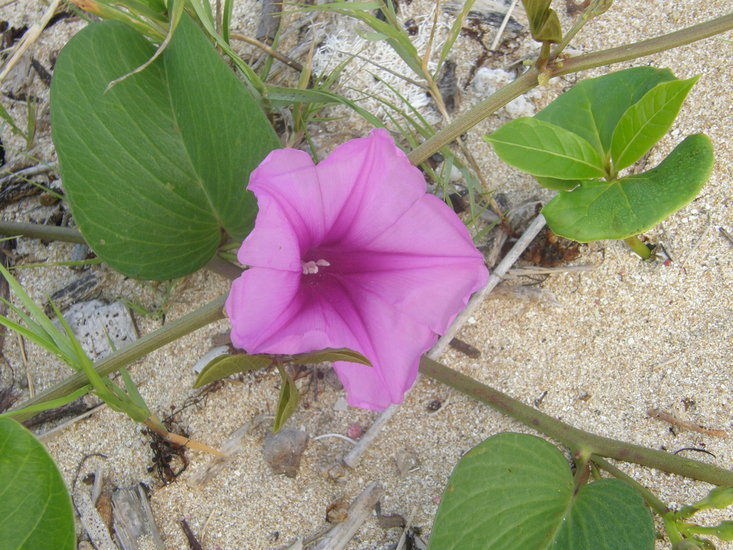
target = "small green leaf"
x: 35, y: 508
x: 516, y: 491
x: 598, y: 210
x: 331, y: 354
x: 544, y: 149
x: 288, y: 400
x: 156, y: 167
x: 543, y: 21
x: 221, y: 367
x: 647, y: 121
x: 593, y: 107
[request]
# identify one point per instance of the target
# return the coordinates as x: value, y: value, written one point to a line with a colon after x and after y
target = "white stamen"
x: 311, y: 267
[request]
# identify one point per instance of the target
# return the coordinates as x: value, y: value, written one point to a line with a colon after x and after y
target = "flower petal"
x: 270, y: 313
x: 374, y: 183
x: 396, y: 343
x: 257, y: 301
x: 288, y: 177
x: 273, y: 243
x: 425, y: 264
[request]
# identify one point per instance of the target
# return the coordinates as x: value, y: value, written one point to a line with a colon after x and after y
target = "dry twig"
x: 684, y: 424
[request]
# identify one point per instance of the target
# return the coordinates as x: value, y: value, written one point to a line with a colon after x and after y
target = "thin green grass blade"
x: 36, y: 319
x: 34, y: 337
x: 134, y: 396
x: 175, y: 18
x: 47, y: 405
x: 226, y: 20
x: 286, y: 96
x: 394, y: 35
x: 7, y: 118
x: 81, y: 263
x: 455, y: 31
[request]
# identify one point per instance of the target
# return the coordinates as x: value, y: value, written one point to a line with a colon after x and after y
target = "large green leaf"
x: 544, y: 149
x: 606, y: 515
x: 511, y: 491
x: 618, y: 209
x: 647, y: 120
x: 516, y: 491
x: 593, y: 107
x: 35, y: 509
x: 156, y: 167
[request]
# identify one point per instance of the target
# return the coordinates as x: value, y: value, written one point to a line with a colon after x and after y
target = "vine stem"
x: 213, y: 311
x: 651, y: 499
x: 575, y: 439
x: 530, y: 79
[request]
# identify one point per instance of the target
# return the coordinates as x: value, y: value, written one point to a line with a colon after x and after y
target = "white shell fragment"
x: 100, y: 328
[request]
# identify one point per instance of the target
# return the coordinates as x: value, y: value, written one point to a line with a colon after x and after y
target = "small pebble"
x: 284, y: 450
x: 355, y: 431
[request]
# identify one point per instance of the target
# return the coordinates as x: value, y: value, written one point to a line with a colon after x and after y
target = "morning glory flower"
x: 352, y: 253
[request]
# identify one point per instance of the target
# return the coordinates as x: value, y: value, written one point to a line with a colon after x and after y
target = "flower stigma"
x: 311, y: 267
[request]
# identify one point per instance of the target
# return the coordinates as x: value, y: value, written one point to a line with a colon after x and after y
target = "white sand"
x: 625, y: 337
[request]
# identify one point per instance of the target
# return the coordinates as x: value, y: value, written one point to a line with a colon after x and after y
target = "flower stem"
x: 529, y: 79
x: 638, y: 247
x: 576, y: 440
x: 39, y: 231
x: 166, y: 334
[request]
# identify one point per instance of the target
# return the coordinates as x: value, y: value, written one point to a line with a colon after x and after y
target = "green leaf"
x: 516, y: 491
x: 52, y: 404
x: 511, y: 491
x: 543, y: 21
x: 288, y: 400
x: 622, y: 208
x: 544, y: 149
x: 156, y: 167
x: 646, y: 121
x: 35, y: 508
x: 606, y: 515
x: 284, y: 97
x: 593, y: 108
x: 331, y: 354
x: 221, y: 367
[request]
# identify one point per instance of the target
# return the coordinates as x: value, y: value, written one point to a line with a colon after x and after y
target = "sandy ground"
x: 602, y: 347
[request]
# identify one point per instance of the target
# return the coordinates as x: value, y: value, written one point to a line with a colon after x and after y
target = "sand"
x: 601, y: 346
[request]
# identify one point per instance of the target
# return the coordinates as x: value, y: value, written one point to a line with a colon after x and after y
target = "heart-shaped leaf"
x: 516, y: 491
x: 622, y: 208
x: 288, y: 400
x: 647, y: 120
x: 606, y: 515
x: 544, y: 149
x: 35, y: 508
x: 593, y: 107
x: 156, y: 167
x: 226, y: 365
x: 331, y: 354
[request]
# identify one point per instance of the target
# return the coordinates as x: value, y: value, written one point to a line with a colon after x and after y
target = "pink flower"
x: 352, y: 253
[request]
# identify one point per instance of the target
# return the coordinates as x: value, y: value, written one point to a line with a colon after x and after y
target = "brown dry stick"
x: 666, y: 417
